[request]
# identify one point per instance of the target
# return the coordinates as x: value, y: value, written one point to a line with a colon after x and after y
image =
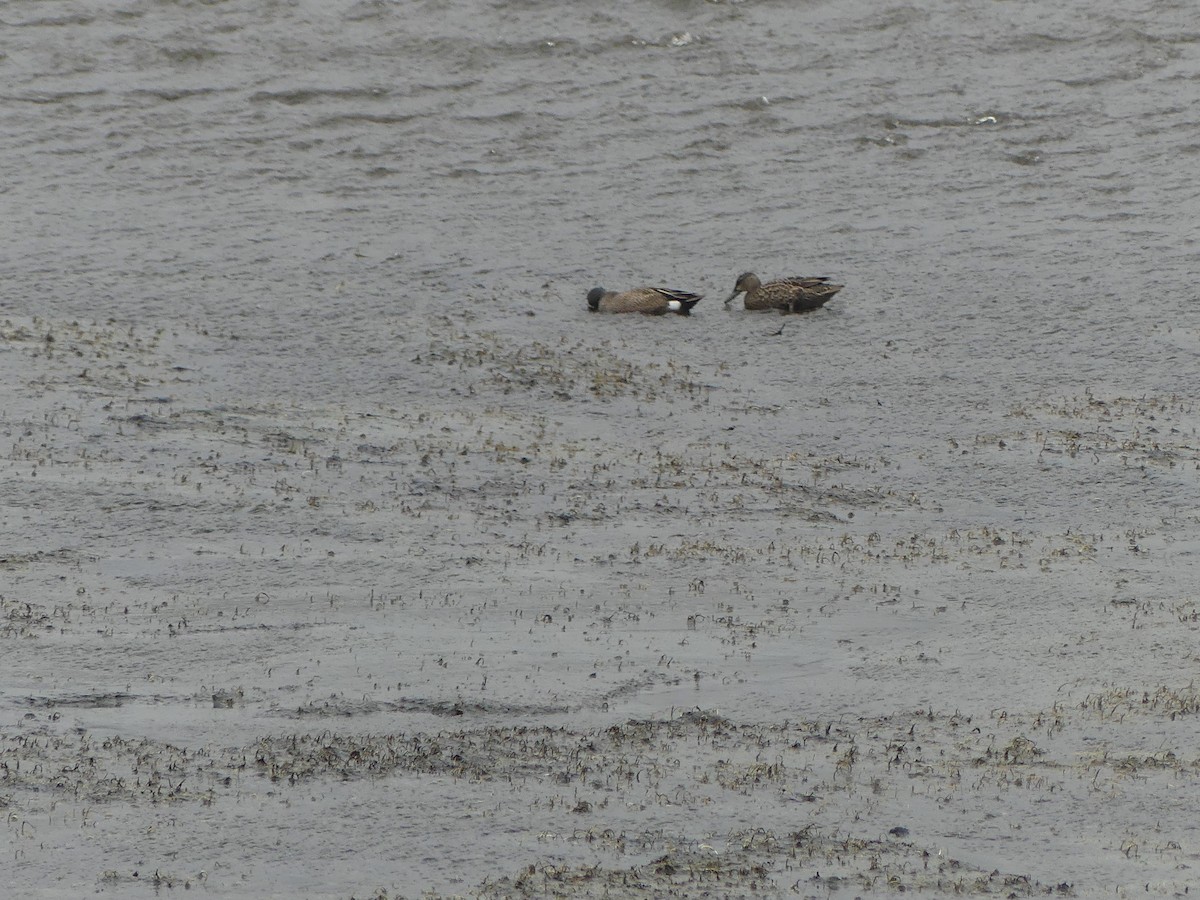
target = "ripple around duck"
x: 182, y: 55
x: 171, y: 95
x: 301, y: 96
x: 53, y: 97
x: 65, y: 21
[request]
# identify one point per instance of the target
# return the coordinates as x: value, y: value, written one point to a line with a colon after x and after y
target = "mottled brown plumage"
x: 787, y: 294
x: 650, y: 300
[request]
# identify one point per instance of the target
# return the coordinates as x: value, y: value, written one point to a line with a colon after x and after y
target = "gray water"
x: 309, y: 432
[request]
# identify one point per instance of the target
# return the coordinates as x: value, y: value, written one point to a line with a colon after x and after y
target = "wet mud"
x: 549, y: 613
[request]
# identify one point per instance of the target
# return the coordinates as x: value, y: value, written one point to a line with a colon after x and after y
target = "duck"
x: 654, y: 301
x: 797, y: 295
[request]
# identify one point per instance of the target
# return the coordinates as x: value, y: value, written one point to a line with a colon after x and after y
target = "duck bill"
x: 729, y: 299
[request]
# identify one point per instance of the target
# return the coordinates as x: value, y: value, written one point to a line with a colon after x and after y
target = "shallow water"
x: 310, y: 434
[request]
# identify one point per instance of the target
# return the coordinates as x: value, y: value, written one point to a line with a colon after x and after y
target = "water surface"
x: 344, y: 551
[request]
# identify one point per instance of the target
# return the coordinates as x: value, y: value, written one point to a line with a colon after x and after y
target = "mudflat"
x: 575, y: 616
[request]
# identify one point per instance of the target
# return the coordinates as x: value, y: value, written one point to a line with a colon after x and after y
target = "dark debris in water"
x: 581, y: 781
x: 758, y: 862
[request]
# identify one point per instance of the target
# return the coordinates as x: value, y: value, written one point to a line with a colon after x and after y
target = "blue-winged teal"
x: 651, y: 300
x: 788, y: 294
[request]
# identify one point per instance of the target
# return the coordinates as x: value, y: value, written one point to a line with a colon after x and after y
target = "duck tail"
x: 680, y: 301
x: 814, y: 300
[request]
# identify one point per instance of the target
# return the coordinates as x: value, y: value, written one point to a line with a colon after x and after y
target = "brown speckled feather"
x: 651, y: 300
x: 799, y: 294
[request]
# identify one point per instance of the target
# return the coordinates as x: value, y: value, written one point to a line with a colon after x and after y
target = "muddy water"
x: 344, y: 553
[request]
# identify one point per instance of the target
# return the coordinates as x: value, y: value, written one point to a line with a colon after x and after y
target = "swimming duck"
x: 788, y: 294
x: 651, y: 300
